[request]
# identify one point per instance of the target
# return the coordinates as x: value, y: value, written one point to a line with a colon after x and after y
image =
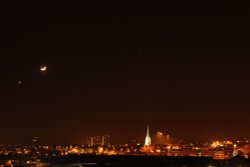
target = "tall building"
x: 147, y: 138
x: 105, y: 140
x: 99, y: 140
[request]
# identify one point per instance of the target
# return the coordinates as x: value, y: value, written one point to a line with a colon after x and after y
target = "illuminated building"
x: 105, y: 140
x: 100, y: 140
x: 168, y: 139
x: 147, y: 138
x: 92, y: 141
x: 161, y: 139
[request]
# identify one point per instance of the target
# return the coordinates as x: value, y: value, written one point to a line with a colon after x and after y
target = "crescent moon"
x: 43, y: 68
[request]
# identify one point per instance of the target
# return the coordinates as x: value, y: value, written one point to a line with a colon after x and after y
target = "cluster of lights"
x: 217, y: 144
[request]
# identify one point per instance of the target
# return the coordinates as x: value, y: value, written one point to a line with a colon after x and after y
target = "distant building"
x: 147, y: 138
x: 161, y: 139
x: 105, y: 140
x: 35, y: 141
x: 147, y: 145
x: 99, y: 140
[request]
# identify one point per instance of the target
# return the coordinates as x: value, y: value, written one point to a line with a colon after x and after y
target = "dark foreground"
x: 144, y: 161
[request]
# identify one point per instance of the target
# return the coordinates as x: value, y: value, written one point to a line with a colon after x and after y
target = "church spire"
x: 147, y: 138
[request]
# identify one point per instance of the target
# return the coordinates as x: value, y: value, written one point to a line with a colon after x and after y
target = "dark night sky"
x: 114, y: 68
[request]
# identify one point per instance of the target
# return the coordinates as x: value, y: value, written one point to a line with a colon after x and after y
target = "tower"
x: 147, y: 138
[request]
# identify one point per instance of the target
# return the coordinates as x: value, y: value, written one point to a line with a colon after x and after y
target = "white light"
x: 43, y: 68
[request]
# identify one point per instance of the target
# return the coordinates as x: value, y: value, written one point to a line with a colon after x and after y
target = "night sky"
x: 116, y: 68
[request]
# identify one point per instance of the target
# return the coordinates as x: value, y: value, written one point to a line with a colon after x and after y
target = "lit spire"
x: 147, y: 138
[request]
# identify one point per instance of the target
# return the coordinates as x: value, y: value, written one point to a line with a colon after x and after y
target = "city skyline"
x: 152, y: 137
x: 70, y: 71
